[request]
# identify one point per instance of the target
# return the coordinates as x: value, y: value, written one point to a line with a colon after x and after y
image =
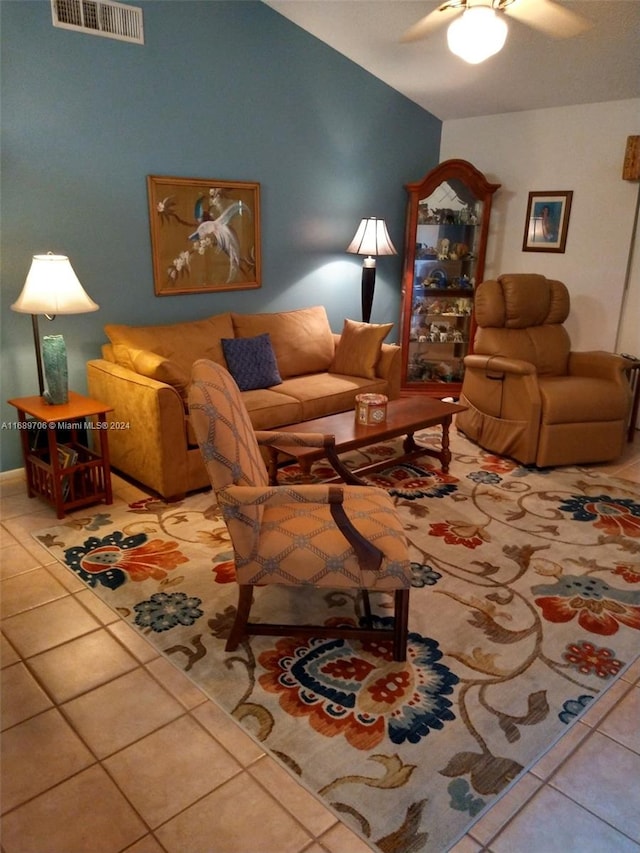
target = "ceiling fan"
x: 481, y: 30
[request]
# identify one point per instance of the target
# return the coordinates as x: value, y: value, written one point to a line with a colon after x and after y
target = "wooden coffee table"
x: 405, y: 416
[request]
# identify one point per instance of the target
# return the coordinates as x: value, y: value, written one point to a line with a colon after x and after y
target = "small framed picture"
x: 547, y: 222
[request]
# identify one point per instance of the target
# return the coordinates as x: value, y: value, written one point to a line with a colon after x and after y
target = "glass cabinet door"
x: 447, y: 226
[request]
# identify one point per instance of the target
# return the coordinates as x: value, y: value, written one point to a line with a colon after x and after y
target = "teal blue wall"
x: 227, y: 90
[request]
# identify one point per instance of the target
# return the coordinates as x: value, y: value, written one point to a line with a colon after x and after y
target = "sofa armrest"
x: 153, y: 447
x: 389, y: 367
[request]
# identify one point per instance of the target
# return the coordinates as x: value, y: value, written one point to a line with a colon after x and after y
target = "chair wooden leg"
x: 400, y: 624
x: 367, y: 607
x: 241, y: 625
x: 245, y: 599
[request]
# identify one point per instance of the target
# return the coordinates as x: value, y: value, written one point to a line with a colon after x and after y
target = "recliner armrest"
x: 599, y: 364
x: 502, y: 388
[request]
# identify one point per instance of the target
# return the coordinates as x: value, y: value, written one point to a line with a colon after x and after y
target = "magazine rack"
x: 67, y: 473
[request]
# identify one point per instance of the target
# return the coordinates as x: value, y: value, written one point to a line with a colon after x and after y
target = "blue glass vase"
x: 54, y: 356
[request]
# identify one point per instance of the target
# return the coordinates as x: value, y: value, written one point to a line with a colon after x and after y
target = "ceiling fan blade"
x: 431, y: 22
x: 549, y: 17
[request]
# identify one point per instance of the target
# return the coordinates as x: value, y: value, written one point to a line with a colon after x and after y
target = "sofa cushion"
x: 302, y: 340
x: 251, y: 362
x: 359, y: 348
x: 268, y: 408
x: 181, y: 343
x: 323, y: 394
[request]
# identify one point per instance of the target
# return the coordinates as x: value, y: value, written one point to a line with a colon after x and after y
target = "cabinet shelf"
x: 438, y: 343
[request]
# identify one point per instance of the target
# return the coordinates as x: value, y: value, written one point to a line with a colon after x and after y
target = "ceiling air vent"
x: 99, y: 18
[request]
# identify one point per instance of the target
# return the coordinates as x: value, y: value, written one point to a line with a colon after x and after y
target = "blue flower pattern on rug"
x: 572, y: 708
x: 423, y: 575
x: 166, y: 610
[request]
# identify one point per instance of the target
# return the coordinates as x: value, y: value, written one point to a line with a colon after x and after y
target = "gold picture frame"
x: 547, y: 221
x: 205, y: 234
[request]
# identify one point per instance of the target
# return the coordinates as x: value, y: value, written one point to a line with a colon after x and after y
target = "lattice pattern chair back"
x: 230, y: 450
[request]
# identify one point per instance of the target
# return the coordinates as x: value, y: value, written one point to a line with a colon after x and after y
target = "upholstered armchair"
x: 527, y: 394
x: 314, y: 535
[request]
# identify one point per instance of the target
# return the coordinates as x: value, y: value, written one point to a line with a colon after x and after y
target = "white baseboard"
x: 6, y: 475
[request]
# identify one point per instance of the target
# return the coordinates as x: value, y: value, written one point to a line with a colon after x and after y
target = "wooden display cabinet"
x: 445, y: 246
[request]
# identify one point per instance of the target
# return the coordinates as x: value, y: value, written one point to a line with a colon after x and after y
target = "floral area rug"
x: 525, y: 606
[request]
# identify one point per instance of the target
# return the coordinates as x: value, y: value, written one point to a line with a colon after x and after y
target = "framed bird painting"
x: 205, y: 235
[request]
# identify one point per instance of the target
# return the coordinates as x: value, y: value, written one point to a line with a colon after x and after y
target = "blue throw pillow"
x: 251, y: 362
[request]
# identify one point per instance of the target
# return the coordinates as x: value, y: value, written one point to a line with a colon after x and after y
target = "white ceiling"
x: 533, y: 70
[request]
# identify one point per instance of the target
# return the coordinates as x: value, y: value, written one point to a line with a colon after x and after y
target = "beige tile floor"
x: 107, y: 747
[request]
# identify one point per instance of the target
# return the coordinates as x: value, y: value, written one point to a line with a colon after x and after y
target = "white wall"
x: 579, y: 148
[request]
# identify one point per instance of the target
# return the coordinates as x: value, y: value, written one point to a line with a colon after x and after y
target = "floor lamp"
x: 51, y: 288
x: 371, y: 239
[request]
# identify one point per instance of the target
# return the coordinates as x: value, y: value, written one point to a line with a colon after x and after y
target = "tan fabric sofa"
x: 145, y: 373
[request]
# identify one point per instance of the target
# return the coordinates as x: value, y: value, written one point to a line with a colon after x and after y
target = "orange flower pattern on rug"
x: 598, y: 607
x: 359, y: 691
x: 225, y: 572
x: 616, y: 516
x: 109, y: 561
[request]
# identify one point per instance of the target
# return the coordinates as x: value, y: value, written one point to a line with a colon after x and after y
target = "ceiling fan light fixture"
x: 477, y: 34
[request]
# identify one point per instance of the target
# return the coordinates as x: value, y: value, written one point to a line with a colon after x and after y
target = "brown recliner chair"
x: 527, y: 395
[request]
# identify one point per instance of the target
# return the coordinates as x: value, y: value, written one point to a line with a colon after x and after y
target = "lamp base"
x: 54, y: 354
x: 368, y: 287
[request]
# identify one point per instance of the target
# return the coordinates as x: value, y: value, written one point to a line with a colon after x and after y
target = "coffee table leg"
x: 445, y: 453
x: 409, y: 445
x: 305, y: 470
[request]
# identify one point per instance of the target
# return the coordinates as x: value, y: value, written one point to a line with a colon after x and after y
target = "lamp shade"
x: 52, y: 287
x: 477, y: 34
x: 372, y: 238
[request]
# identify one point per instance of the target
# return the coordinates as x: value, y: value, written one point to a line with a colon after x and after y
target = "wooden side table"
x: 68, y: 475
x: 633, y: 372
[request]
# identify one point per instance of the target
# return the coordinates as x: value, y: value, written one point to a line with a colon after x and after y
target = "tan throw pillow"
x: 163, y: 369
x: 359, y: 347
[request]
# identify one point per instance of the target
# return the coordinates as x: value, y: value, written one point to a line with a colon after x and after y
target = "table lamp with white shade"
x: 52, y: 288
